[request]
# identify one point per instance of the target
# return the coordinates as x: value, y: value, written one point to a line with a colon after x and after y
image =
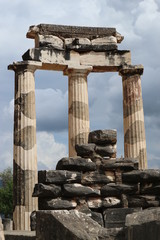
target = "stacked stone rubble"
x: 97, y: 183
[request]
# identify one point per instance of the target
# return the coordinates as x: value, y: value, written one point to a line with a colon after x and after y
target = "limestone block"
x: 87, y: 48
x: 143, y: 225
x: 124, y: 201
x: 94, y: 203
x: 104, y: 40
x: 70, y: 31
x: 115, y: 217
x: 109, y: 202
x: 118, y: 176
x: 33, y: 221
x: 59, y: 60
x: 150, y: 188
x: 143, y: 201
x: 75, y: 189
x: 110, y: 175
x: 119, y: 163
x: 76, y: 164
x: 93, y: 178
x: 49, y: 41
x: 107, y: 61
x: 96, y: 216
x: 143, y: 176
x: 58, y: 176
x: 68, y: 225
x: 113, y: 189
x: 43, y: 190
x: 81, y: 41
x: 116, y: 233
x: 20, y: 235
x: 58, y: 203
x: 107, y: 150
x: 102, y: 137
x: 119, y: 37
x: 84, y: 44
x: 85, y: 150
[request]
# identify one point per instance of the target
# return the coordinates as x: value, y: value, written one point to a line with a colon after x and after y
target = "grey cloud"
x: 51, y: 110
x: 137, y: 20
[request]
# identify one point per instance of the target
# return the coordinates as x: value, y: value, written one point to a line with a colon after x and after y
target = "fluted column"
x: 25, y: 149
x: 133, y: 115
x: 78, y: 110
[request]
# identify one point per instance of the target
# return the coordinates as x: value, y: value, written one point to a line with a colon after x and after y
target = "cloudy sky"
x: 138, y: 21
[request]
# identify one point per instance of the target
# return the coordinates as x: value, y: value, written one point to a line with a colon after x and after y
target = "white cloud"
x: 9, y: 109
x: 6, y: 146
x: 49, y: 151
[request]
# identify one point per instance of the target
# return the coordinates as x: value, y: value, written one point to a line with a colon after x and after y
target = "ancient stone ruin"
x: 91, y: 186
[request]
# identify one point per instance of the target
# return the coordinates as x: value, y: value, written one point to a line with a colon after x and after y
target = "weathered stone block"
x: 104, y: 40
x: 85, y: 150
x: 143, y: 201
x: 144, y: 176
x: 94, y: 177
x: 143, y: 225
x: 96, y: 158
x: 58, y: 203
x: 94, y: 203
x: 150, y: 188
x: 68, y: 225
x: 109, y: 202
x: 58, y: 176
x: 107, y: 150
x: 110, y: 175
x: 19, y: 235
x: 76, y: 164
x: 76, y: 189
x: 102, y: 137
x: 116, y: 233
x: 124, y: 201
x: 33, y: 221
x: 43, y: 190
x: 96, y: 216
x: 119, y: 163
x: 115, y: 217
x: 81, y: 41
x: 50, y: 41
x: 112, y: 189
x: 77, y: 47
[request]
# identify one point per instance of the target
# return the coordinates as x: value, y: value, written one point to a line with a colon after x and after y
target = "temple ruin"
x: 76, y: 51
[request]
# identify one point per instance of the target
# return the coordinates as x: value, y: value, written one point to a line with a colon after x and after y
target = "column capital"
x: 129, y: 70
x: 77, y: 70
x: 25, y: 65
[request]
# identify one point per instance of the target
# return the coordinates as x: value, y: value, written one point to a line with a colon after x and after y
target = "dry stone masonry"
x: 96, y: 183
x: 76, y: 51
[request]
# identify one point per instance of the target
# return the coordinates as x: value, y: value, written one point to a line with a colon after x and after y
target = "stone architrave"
x: 133, y: 115
x: 25, y: 149
x: 78, y: 109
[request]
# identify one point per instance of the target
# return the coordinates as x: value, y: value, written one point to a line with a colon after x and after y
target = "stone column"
x: 78, y: 110
x: 25, y: 149
x: 133, y: 115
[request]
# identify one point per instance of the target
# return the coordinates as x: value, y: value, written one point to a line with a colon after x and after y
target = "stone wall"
x: 97, y: 183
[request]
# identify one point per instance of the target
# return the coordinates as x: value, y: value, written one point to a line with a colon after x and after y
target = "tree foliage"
x: 6, y: 193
